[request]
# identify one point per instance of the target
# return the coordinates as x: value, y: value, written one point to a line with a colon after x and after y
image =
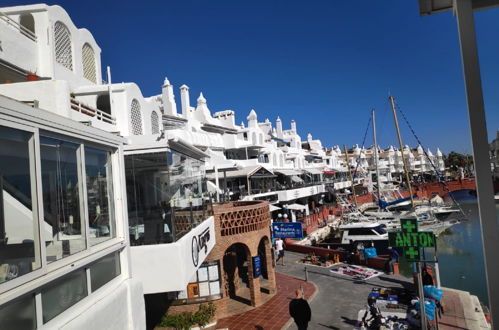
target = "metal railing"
x: 91, y: 112
x: 24, y: 31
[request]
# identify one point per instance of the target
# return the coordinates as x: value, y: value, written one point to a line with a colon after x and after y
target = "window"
x: 154, y: 123
x: 167, y: 196
x: 104, y: 270
x: 19, y: 244
x: 204, y: 284
x: 99, y: 195
x: 28, y: 23
x: 104, y: 103
x: 63, y: 48
x: 360, y: 232
x: 88, y: 59
x: 19, y: 313
x: 136, y: 118
x: 63, y: 293
x: 64, y: 228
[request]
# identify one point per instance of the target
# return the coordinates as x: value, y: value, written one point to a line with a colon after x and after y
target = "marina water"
x: 460, y: 253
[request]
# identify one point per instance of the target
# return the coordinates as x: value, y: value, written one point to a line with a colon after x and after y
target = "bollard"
x: 306, y: 274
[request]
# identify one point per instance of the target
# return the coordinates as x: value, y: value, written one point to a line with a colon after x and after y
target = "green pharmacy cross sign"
x: 411, y: 240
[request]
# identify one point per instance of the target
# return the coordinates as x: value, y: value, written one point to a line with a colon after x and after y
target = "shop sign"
x: 287, y: 230
x: 200, y: 242
x: 410, y: 239
x: 257, y: 267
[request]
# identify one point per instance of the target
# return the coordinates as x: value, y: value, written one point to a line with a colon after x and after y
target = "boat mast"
x: 406, y: 171
x: 376, y: 155
x: 350, y: 173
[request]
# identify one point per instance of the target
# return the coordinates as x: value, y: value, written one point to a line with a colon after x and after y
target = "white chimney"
x: 184, y: 98
x: 293, y: 126
x: 168, y: 98
x: 278, y: 125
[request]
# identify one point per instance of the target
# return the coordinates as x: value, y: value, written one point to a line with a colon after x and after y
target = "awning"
x: 212, y: 187
x: 313, y: 171
x: 244, y: 172
x: 288, y: 172
x: 296, y: 179
x: 297, y: 207
x: 329, y: 172
x: 186, y: 148
x: 273, y: 208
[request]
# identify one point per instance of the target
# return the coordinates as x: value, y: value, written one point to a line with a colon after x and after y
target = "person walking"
x: 279, y: 246
x: 300, y: 311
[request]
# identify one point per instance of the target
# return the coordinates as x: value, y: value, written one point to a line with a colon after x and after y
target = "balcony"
x: 19, y: 46
x: 91, y: 112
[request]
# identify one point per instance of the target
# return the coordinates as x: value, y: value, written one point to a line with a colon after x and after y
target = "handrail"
x: 24, y: 31
x: 91, y: 112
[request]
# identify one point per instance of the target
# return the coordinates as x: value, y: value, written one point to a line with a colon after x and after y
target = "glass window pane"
x: 99, y: 195
x: 63, y: 294
x: 149, y: 210
x: 19, y: 314
x: 18, y: 224
x: 104, y: 270
x: 63, y: 226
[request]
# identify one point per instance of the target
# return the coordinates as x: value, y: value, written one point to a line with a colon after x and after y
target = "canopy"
x: 288, y: 172
x: 212, y: 187
x: 297, y: 207
x: 329, y: 172
x: 296, y: 179
x: 273, y: 208
x: 313, y: 171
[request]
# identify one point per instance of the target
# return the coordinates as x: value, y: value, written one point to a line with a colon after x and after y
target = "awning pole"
x: 479, y: 140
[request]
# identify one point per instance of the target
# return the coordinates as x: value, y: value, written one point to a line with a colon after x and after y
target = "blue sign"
x: 257, y: 268
x: 287, y: 230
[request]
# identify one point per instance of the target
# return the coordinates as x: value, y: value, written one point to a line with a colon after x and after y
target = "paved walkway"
x: 339, y: 300
x: 273, y: 315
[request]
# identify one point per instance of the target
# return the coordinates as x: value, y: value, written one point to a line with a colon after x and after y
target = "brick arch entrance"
x: 236, y: 263
x: 267, y: 280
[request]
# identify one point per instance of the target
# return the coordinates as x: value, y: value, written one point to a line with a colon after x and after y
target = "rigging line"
x: 428, y: 157
x: 363, y: 143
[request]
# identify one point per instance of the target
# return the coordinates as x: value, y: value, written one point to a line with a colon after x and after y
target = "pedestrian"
x: 300, y: 311
x: 394, y: 258
x: 279, y: 246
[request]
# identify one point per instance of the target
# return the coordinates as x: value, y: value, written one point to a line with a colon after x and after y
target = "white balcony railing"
x: 91, y: 112
x: 24, y: 31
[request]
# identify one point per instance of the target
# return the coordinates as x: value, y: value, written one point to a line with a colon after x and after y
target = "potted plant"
x: 31, y: 76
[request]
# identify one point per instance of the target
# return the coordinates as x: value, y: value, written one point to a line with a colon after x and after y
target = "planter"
x: 32, y: 77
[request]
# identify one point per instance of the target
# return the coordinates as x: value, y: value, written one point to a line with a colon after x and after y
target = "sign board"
x: 257, y: 267
x: 411, y: 240
x: 287, y: 230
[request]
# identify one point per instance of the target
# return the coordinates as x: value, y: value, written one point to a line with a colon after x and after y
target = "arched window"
x: 104, y: 103
x: 253, y: 138
x: 154, y: 123
x: 63, y: 49
x: 136, y: 118
x: 88, y: 61
x: 28, y: 22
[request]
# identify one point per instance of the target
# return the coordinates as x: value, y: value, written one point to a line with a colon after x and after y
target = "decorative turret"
x: 439, y: 153
x: 168, y: 98
x: 293, y: 126
x: 420, y: 150
x: 278, y: 125
x: 252, y: 119
x: 184, y: 98
x: 242, y: 125
x: 309, y: 137
x: 201, y: 99
x: 430, y: 154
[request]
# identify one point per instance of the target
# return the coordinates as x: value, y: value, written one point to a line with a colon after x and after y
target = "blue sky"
x: 325, y: 64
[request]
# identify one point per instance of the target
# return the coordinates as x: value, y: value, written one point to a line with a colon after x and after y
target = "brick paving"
x: 273, y: 315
